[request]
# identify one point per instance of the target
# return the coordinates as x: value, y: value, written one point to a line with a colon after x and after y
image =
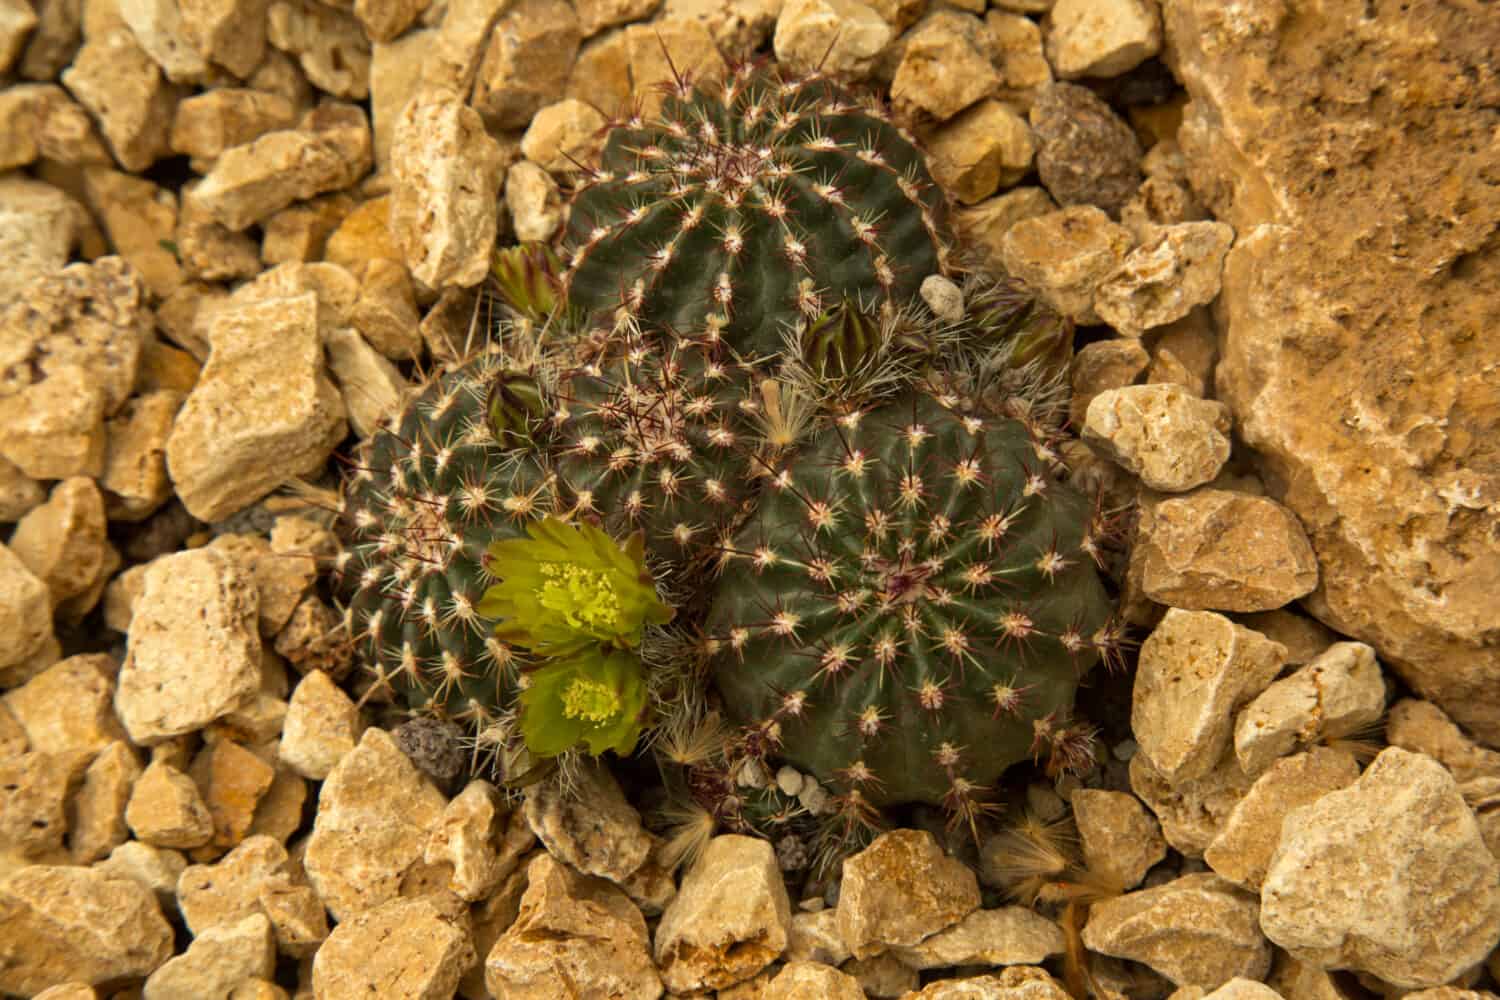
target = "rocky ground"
x: 235, y: 232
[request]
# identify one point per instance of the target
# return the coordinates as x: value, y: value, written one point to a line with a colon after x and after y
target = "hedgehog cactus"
x: 910, y: 608
x: 741, y: 209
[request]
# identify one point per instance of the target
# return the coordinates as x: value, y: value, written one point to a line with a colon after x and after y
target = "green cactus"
x: 741, y: 209
x: 910, y: 609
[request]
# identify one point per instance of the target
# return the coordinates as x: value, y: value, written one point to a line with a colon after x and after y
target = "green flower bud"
x: 840, y: 341
x: 568, y: 586
x: 527, y: 278
x: 514, y: 407
x: 592, y: 697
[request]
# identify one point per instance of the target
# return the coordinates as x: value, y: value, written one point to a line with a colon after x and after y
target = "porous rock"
x: 1178, y: 268
x: 1088, y: 38
x: 218, y: 960
x: 402, y: 948
x: 900, y: 890
x: 1194, y: 810
x: 1172, y: 440
x: 943, y: 67
x: 167, y: 810
x: 1064, y: 255
x: 329, y: 44
x: 1010, y: 935
x: 1338, y: 693
x: 1019, y: 982
x: 843, y: 37
x: 595, y: 830
x: 526, y: 63
x: 1422, y: 727
x: 126, y: 93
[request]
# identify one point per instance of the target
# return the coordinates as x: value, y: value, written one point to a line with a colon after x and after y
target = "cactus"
x: 741, y: 209
x: 910, y: 608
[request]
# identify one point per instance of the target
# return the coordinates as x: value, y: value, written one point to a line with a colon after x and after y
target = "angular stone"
x: 158, y: 29
x: 1251, y: 832
x: 1100, y: 367
x: 730, y: 919
x: 68, y: 706
x: 329, y: 45
x: 1196, y: 930
x: 883, y: 975
x: 135, y: 479
x: 1011, y: 935
x: 232, y: 781
x: 1223, y: 551
x: 314, y: 639
x: 735, y: 25
x: 1388, y: 876
x: 155, y: 868
x: 402, y: 948
x: 296, y: 914
x: 841, y: 37
x: 943, y: 68
x: 1014, y: 45
x: 535, y: 205
x: 573, y: 934
x: 299, y: 232
x: 1422, y: 727
x: 40, y: 121
x: 257, y: 417
x: 1088, y: 38
x: 218, y: 960
x: 34, y: 792
x: 225, y: 892
x: 812, y: 981
x: 123, y: 89
x: 1178, y: 268
x: 1338, y: 693
x: 208, y: 124
x: 280, y: 582
x: 815, y: 938
x: 1172, y: 440
x: 25, y: 611
x: 1086, y: 154
x: 466, y: 837
x: 166, y: 809
x: 980, y: 150
x: 322, y: 724
x: 692, y: 50
x: 561, y: 134
x: 1120, y: 839
x: 384, y: 20
x: 360, y: 849
x: 61, y: 924
x: 594, y: 829
x: 209, y: 251
x: 527, y: 61
x: 96, y: 815
x: 596, y: 15
x: 1196, y: 669
x: 601, y: 75
x: 17, y: 19
x: 385, y: 313
x: 18, y: 494
x: 372, y: 387
x: 231, y: 33
x: 490, y: 919
x: 452, y: 53
x: 1019, y: 982
x: 900, y: 890
x: 1064, y: 255
x: 63, y: 541
x: 1193, y: 811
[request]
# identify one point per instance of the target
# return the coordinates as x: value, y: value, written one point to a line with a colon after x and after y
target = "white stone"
x: 1102, y: 38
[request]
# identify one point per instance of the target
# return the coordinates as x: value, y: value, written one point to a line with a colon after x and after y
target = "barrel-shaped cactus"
x: 910, y: 609
x: 746, y: 206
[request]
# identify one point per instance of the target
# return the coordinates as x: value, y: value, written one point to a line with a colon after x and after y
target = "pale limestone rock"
x: 883, y: 975
x: 328, y: 150
x: 257, y: 723
x: 135, y: 482
x: 1305, y: 638
x: 231, y: 33
x: 257, y: 417
x: 296, y: 914
x: 322, y: 725
x: 55, y: 40
x: 167, y: 810
x: 1196, y: 930
x: 1170, y: 439
x: 561, y: 134
x: 415, y: 948
x: 840, y: 37
x: 158, y: 29
x: 1162, y: 280
x: 447, y: 173
x: 20, y: 122
x: 216, y: 120
x: 123, y: 89
x: 360, y: 848
x: 692, y: 51
x: 1224, y: 551
x: 573, y: 934
x: 532, y: 198
x: 527, y: 61
x: 1064, y: 255
x: 452, y: 54
x: 396, y: 69
x: 63, y: 541
x: 900, y: 890
x: 278, y: 73
x: 1422, y: 727
x: 730, y: 919
x: 384, y: 20
x: 596, y: 15
x: 17, y: 19
x: 812, y: 981
x: 1103, y: 366
x: 299, y: 232
x: 372, y: 387
x: 980, y: 150
x: 25, y: 610
x: 61, y: 924
x: 1014, y: 45
x: 465, y: 838
x: 184, y: 316
x: 1389, y: 876
x: 34, y: 792
x: 218, y: 960
x: 595, y: 830
x: 39, y: 226
x: 1019, y: 982
x: 1192, y: 811
x: 225, y: 892
x: 209, y: 251
x: 137, y: 215
x: 1243, y: 989
x: 1011, y: 935
x: 1157, y: 203
x: 335, y: 287
x: 328, y: 44
x: 280, y: 582
x: 1120, y: 839
x: 490, y: 919
x: 1338, y: 693
x: 232, y: 781
x: 1248, y: 838
x: 157, y: 869
x: 735, y: 25
x: 96, y: 815
x: 943, y: 67
x: 19, y: 493
x: 68, y: 706
x: 815, y: 938
x: 1102, y: 38
x: 1196, y: 670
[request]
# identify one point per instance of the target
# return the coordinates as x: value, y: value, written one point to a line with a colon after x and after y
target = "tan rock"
x: 280, y: 582
x: 185, y: 315
x: 285, y: 419
x: 135, y: 479
x: 1375, y: 430
x: 531, y: 196
x: 61, y: 924
x: 63, y: 541
x: 155, y: 868
x: 363, y: 237
x: 900, y: 890
x: 447, y: 172
x: 166, y: 809
x: 194, y: 652
x: 322, y: 724
x: 1087, y: 38
x: 334, y: 286
x: 1120, y: 839
x: 68, y: 991
x: 883, y: 975
x: 1020, y: 982
x: 218, y: 960
x: 329, y: 150
x: 328, y: 43
x: 527, y: 61
x: 594, y: 829
x: 812, y: 981
x: 943, y: 67
x: 384, y: 20
x: 693, y: 54
x: 1196, y: 930
x: 453, y: 53
x: 1010, y: 935
x: 17, y: 19
x: 1251, y: 832
x: 25, y: 610
x: 1243, y: 989
x: 1065, y: 255
x: 1192, y: 811
x: 1014, y: 45
x: 314, y: 639
x: 226, y: 892
x: 41, y: 226
x: 1422, y: 727
x: 573, y: 933
x: 68, y: 706
x: 19, y: 493
x: 1196, y: 669
x: 123, y: 89
x: 403, y: 948
x: 1388, y: 876
x: 601, y: 75
x: 158, y: 29
x: 360, y: 848
x: 372, y: 387
x: 34, y: 792
x: 1157, y: 203
x: 1172, y: 440
x: 96, y: 815
x: 815, y: 938
x: 209, y: 251
x: 1162, y: 280
x: 299, y: 232
x: 561, y: 134
x: 596, y: 15
x: 396, y: 75
x: 446, y: 327
x: 731, y: 917
x: 465, y: 838
x: 232, y: 781
x: 1102, y: 366
x: 296, y: 914
x: 490, y: 919
x: 231, y: 33
x: 840, y: 37
x: 736, y: 25
x: 1338, y: 693
x: 980, y: 150
x: 216, y: 120
x: 1224, y: 551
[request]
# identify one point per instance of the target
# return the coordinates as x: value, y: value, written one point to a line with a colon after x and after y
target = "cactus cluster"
x: 738, y: 413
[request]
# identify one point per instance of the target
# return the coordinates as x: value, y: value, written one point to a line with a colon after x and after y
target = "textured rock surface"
x: 414, y: 948
x: 1011, y: 935
x: 1388, y: 876
x: 1365, y: 376
x: 900, y: 890
x: 1119, y: 838
x: 596, y: 831
x: 1338, y: 693
x: 1064, y: 255
x: 812, y: 981
x: 1021, y: 982
x: 1172, y: 440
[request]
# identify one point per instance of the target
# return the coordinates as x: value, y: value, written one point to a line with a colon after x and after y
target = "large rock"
x: 404, y: 948
x: 1358, y: 346
x: 901, y: 890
